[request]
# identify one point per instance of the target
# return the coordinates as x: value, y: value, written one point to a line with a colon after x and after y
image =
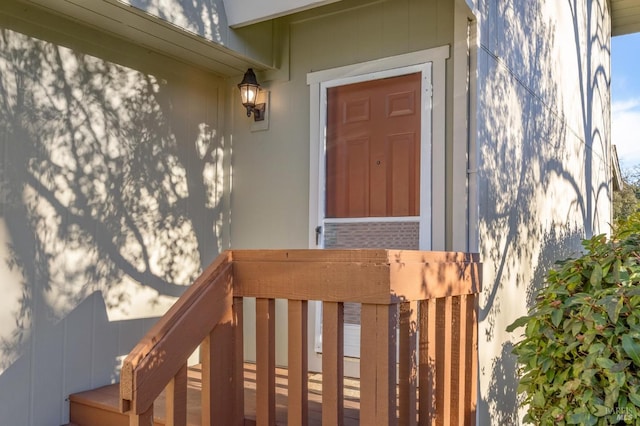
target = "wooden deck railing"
x: 419, y: 331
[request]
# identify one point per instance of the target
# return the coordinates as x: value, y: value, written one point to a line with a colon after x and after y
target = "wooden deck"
x: 418, y: 330
x: 100, y: 407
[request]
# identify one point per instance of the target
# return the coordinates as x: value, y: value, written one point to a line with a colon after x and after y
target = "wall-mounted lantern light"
x: 249, y: 91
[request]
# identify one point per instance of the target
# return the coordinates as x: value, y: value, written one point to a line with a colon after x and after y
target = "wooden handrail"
x: 159, y: 356
x: 434, y: 292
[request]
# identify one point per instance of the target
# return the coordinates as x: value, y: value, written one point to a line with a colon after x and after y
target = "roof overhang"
x: 118, y: 18
x: 245, y: 12
x: 625, y: 17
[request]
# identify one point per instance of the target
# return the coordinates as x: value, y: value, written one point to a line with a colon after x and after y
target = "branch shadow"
x: 112, y: 182
x: 542, y: 176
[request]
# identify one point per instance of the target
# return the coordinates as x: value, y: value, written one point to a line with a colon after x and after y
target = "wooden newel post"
x: 220, y: 377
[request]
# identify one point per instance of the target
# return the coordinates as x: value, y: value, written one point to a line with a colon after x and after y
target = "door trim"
x: 432, y: 64
x: 432, y: 226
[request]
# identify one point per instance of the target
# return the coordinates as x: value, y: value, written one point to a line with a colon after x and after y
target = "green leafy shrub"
x: 579, y: 358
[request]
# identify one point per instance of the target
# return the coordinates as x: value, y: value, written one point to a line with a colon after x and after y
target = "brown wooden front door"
x: 373, y: 148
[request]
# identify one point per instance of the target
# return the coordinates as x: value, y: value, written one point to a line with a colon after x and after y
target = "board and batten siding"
x: 113, y: 196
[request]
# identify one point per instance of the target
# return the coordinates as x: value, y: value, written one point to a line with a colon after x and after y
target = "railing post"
x: 218, y: 382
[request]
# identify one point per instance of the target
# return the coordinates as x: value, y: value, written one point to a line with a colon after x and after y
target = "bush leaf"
x: 596, y: 276
x: 613, y: 308
x: 556, y: 317
x: 631, y: 348
x: 520, y: 322
x: 579, y: 355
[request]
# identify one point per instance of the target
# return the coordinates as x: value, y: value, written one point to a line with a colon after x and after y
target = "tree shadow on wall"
x: 593, y: 51
x: 528, y: 149
x: 555, y: 248
x: 502, y: 400
x: 536, y: 168
x: 520, y: 137
x: 112, y: 180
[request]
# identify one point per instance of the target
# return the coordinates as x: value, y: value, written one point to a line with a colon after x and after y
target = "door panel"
x: 353, y: 196
x: 403, y: 175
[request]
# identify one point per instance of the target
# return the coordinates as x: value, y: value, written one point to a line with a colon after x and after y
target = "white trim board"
x: 378, y: 65
x: 390, y: 219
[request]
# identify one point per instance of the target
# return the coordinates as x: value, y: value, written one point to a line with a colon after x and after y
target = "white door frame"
x: 432, y: 64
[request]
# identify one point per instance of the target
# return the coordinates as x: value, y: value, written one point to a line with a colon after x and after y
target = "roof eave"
x: 625, y: 17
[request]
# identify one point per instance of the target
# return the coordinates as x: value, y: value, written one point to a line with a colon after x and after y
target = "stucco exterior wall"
x: 113, y: 195
x: 543, y: 142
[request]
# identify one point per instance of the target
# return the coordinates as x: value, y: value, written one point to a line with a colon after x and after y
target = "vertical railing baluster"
x: 238, y: 361
x: 462, y: 368
x: 443, y: 364
x: 368, y: 338
x: 472, y: 357
x: 143, y: 419
x: 298, y: 378
x: 454, y: 355
x: 176, y: 399
x: 206, y: 360
x: 407, y: 364
x: 332, y: 364
x: 265, y: 362
x: 387, y: 364
x: 427, y: 363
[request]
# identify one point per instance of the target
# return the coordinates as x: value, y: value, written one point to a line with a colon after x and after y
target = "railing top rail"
x: 161, y: 351
x: 354, y: 255
x: 362, y: 276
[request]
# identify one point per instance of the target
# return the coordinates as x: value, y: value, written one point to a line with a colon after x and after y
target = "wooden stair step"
x: 100, y: 407
x: 97, y: 407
